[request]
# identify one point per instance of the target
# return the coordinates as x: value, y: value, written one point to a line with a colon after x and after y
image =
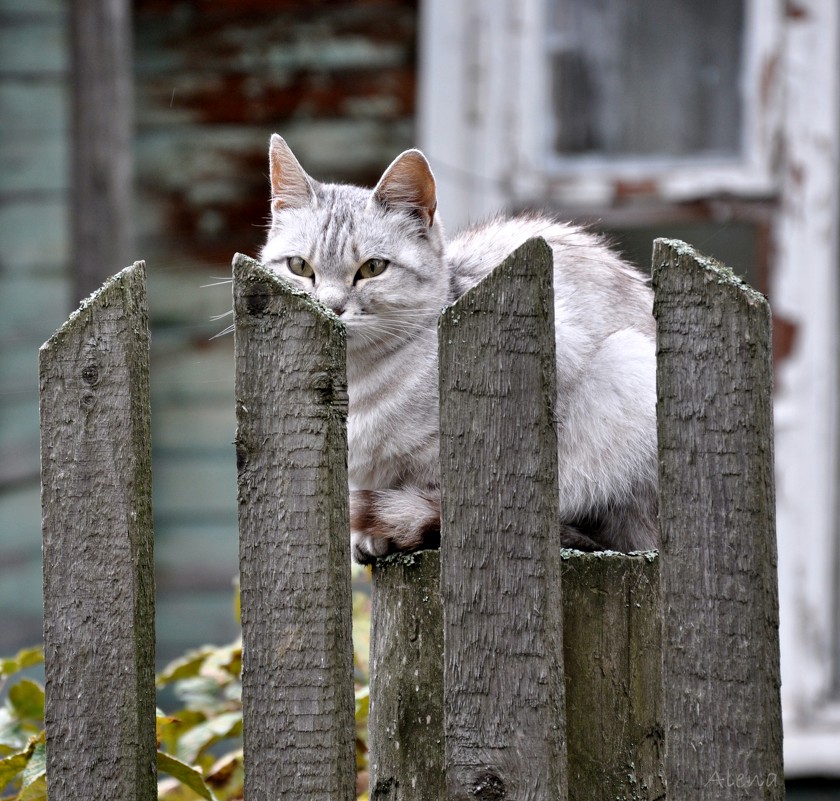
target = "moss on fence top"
x: 128, y: 279
x: 715, y: 270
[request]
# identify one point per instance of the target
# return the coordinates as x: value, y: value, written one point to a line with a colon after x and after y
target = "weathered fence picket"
x: 717, y: 522
x: 96, y: 476
x: 405, y: 725
x: 500, y: 556
x: 502, y: 667
x: 291, y: 449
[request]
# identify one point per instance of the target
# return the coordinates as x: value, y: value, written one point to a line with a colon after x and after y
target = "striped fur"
x: 605, y: 351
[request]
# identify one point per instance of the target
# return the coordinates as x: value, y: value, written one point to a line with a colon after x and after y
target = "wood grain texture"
x: 503, y: 686
x: 98, y: 566
x: 406, y: 679
x: 297, y: 669
x: 102, y: 139
x: 612, y: 653
x: 717, y: 519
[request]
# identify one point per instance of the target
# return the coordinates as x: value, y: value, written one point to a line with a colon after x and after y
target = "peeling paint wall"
x: 215, y: 79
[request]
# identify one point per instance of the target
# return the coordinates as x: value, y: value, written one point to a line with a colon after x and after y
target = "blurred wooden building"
x: 207, y: 83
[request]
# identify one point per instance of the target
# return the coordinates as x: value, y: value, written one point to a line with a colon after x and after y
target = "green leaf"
x: 12, y: 767
x: 17, y: 765
x: 170, y: 728
x: 227, y: 776
x: 202, y: 736
x: 362, y: 703
x: 224, y: 663
x: 22, y: 660
x: 186, y: 667
x: 37, y: 791
x: 12, y: 734
x: 173, y: 790
x: 166, y: 727
x: 27, y: 699
x: 34, y: 787
x: 186, y: 774
x: 206, y: 660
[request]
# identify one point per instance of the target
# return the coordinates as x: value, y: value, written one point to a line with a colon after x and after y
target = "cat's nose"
x: 333, y: 299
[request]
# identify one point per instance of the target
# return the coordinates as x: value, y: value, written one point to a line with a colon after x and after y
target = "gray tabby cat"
x: 379, y: 259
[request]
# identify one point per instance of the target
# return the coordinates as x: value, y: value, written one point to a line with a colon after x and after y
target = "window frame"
x: 592, y: 179
x: 485, y: 80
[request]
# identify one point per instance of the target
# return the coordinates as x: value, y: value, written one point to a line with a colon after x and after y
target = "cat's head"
x: 374, y: 256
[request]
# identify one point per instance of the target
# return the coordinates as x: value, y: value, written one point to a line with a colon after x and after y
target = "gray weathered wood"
x: 102, y: 142
x: 503, y: 686
x: 297, y: 667
x: 612, y: 658
x: 98, y: 567
x: 406, y: 680
x: 717, y: 518
x: 612, y: 654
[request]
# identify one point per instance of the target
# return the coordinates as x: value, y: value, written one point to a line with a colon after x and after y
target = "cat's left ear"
x: 409, y: 184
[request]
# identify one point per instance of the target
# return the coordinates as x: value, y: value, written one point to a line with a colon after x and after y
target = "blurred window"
x: 646, y: 78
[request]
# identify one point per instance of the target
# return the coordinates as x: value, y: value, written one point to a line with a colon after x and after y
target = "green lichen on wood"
x: 128, y: 282
x: 581, y: 556
x: 713, y: 269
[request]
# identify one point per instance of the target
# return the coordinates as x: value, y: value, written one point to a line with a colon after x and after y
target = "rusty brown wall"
x: 216, y: 77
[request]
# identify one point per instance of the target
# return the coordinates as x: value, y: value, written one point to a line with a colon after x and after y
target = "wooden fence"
x: 502, y: 667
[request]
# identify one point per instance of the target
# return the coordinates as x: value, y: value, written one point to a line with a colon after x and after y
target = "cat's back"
x: 593, y: 286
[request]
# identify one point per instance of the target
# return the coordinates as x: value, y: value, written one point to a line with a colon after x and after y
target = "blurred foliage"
x: 199, y: 743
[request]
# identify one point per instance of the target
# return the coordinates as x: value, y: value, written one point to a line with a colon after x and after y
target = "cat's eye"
x: 301, y: 267
x: 372, y: 268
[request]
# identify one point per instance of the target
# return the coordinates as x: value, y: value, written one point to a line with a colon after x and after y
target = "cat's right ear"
x: 291, y: 187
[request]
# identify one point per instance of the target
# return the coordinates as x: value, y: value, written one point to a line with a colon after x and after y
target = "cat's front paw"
x: 390, y: 521
x: 366, y: 549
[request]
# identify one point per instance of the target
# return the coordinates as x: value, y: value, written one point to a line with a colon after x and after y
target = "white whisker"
x: 229, y: 330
